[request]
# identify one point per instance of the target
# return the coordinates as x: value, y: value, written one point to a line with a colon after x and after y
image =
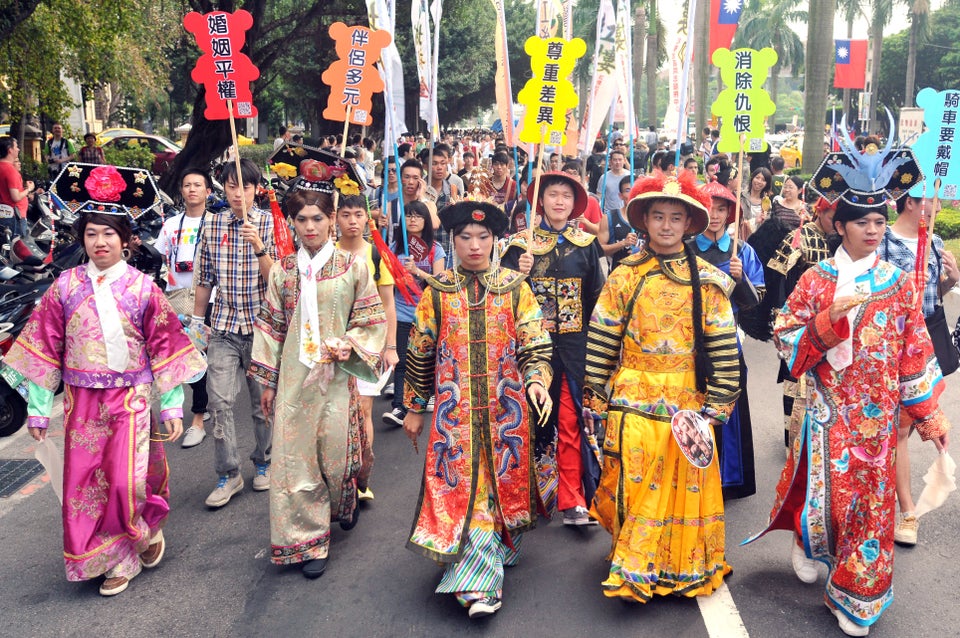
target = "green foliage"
x: 32, y: 169
x: 938, y: 62
x: 258, y: 153
x: 947, y: 224
x: 139, y: 157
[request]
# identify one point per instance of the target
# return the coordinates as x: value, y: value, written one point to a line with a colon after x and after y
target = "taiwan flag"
x: 851, y: 64
x: 724, y: 18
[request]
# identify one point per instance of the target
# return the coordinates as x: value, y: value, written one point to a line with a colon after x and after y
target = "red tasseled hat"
x: 718, y: 190
x: 683, y: 189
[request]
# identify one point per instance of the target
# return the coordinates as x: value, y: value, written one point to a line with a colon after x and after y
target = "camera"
x: 183, y: 266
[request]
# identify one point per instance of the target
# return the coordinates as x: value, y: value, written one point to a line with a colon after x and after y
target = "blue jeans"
x: 228, y: 357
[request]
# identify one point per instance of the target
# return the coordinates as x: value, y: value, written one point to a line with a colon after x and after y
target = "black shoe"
x: 314, y: 568
x: 394, y: 417
x: 350, y: 524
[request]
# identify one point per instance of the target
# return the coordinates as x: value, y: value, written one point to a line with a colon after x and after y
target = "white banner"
x: 603, y: 87
x: 391, y: 70
x: 420, y: 19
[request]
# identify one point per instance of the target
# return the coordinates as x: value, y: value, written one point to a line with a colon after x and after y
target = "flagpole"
x: 236, y: 158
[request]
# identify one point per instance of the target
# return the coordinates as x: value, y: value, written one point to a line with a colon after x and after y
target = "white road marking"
x: 720, y: 615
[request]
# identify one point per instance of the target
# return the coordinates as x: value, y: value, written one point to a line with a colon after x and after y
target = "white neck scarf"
x: 114, y: 339
x: 841, y: 355
x: 311, y: 345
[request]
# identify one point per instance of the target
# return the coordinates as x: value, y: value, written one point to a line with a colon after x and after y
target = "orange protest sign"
x: 353, y: 79
x: 549, y: 93
x: 222, y: 69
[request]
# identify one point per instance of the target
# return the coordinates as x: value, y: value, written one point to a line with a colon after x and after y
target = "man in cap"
x: 662, y: 336
x: 563, y: 263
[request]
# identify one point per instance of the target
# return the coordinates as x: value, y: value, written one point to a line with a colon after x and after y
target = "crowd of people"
x: 550, y: 323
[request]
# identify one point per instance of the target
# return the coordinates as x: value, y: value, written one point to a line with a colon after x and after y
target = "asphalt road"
x: 216, y: 579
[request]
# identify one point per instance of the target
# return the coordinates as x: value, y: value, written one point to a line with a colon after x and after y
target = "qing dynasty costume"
x: 666, y: 516
x: 477, y: 342
x: 837, y: 490
x: 566, y: 278
x: 115, y: 490
x: 317, y: 423
x: 735, y: 442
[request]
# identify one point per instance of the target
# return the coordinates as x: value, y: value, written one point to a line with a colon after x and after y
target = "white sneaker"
x: 805, y: 568
x: 227, y: 486
x: 261, y: 480
x: 430, y: 404
x: 388, y: 390
x: 484, y: 607
x: 577, y: 516
x: 905, y: 532
x: 847, y: 626
x: 193, y: 436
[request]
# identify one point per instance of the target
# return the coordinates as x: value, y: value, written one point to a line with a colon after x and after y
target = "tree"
x: 819, y: 65
x: 879, y: 18
x: 766, y: 24
x: 919, y: 31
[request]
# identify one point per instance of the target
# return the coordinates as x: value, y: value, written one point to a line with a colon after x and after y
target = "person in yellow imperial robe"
x: 662, y: 339
x: 479, y: 344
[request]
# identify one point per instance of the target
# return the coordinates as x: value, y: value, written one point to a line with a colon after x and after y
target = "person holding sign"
x: 235, y: 255
x: 662, y: 338
x: 563, y: 263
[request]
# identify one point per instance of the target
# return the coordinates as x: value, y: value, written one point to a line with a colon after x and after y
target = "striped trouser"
x: 479, y: 573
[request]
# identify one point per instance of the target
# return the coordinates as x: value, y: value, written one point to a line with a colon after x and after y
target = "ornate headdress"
x: 106, y: 189
x: 316, y: 169
x: 866, y: 179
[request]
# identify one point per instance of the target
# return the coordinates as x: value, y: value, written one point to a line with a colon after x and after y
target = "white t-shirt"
x: 910, y: 242
x: 178, y: 244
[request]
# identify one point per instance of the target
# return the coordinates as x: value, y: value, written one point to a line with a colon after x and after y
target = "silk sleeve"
x: 366, y: 327
x: 534, y: 347
x: 921, y: 382
x: 720, y: 343
x: 803, y: 331
x: 39, y: 406
x: 173, y: 357
x: 270, y: 332
x: 38, y: 352
x: 421, y: 354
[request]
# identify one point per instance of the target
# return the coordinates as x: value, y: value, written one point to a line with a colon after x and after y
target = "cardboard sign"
x: 936, y: 147
x: 549, y: 93
x: 743, y: 105
x: 353, y: 79
x: 225, y: 73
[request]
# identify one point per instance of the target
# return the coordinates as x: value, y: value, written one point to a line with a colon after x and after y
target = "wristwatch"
x: 261, y: 253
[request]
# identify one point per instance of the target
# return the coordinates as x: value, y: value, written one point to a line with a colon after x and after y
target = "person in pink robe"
x: 110, y: 335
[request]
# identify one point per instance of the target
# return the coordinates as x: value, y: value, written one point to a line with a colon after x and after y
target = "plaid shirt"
x: 226, y: 261
x: 900, y: 255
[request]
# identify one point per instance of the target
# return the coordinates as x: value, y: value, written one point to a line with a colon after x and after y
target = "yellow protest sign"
x: 549, y: 93
x: 743, y: 105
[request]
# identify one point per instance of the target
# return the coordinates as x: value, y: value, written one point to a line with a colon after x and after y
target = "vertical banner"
x: 390, y: 68
x: 743, y: 105
x: 935, y: 147
x: 420, y: 19
x: 603, y: 85
x: 675, y: 50
x: 225, y: 73
x: 436, y: 12
x: 549, y: 93
x: 623, y: 45
x: 502, y: 77
x: 550, y: 18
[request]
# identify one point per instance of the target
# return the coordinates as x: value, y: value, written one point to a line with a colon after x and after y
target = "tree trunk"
x: 911, y: 61
x: 819, y: 59
x: 774, y: 91
x: 651, y: 67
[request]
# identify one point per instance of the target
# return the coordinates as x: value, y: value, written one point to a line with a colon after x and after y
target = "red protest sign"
x: 222, y: 69
x: 353, y: 79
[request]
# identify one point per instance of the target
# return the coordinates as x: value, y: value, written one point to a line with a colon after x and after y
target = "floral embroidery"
x: 89, y: 432
x: 92, y: 499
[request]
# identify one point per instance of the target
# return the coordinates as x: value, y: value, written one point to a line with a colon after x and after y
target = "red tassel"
x: 408, y: 288
x: 920, y: 268
x: 281, y: 232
